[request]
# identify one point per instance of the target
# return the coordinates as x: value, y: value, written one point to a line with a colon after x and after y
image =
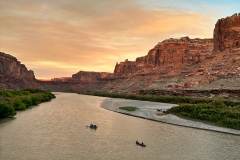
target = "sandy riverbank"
x: 148, y: 110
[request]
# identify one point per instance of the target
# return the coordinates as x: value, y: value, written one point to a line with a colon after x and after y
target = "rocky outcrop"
x: 169, y: 55
x: 90, y: 77
x: 179, y: 51
x: 127, y: 68
x: 10, y: 66
x: 227, y: 33
x: 14, y: 75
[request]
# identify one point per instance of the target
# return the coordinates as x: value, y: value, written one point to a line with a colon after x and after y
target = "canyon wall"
x: 171, y: 54
x: 127, y: 68
x: 90, y: 77
x: 227, y: 33
x: 10, y: 66
x: 14, y: 75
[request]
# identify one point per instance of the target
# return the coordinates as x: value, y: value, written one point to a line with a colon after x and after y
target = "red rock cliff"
x: 178, y: 51
x: 10, y: 66
x: 90, y: 77
x: 171, y: 53
x: 227, y: 33
x: 127, y: 68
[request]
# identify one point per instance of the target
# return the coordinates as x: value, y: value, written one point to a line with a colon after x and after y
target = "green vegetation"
x: 164, y: 98
x: 129, y: 108
x: 220, y: 112
x: 216, y: 113
x: 10, y: 101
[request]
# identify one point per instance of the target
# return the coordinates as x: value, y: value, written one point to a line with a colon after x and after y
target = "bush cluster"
x: 129, y: 108
x: 10, y: 101
x: 219, y: 115
x: 164, y: 98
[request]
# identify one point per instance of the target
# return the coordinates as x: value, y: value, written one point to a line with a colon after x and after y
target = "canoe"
x: 140, y: 144
x: 92, y: 126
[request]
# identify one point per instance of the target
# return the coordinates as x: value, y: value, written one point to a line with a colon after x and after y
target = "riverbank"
x: 10, y: 100
x: 148, y: 110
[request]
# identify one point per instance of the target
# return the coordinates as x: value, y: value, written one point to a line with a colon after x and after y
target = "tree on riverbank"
x: 10, y: 101
x: 218, y: 114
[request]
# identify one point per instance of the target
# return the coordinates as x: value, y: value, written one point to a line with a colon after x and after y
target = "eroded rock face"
x: 179, y: 51
x: 227, y: 33
x: 10, y: 66
x: 90, y: 77
x: 14, y: 75
x: 170, y: 53
x: 127, y: 68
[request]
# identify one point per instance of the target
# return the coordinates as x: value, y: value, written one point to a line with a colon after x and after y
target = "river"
x: 57, y: 130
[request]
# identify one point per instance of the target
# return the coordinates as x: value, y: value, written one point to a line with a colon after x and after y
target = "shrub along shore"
x: 10, y: 101
x: 215, y: 111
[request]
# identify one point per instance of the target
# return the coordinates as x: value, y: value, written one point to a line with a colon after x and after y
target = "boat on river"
x: 141, y: 144
x: 92, y: 126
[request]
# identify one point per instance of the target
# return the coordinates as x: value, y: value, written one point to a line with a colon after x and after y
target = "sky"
x: 58, y: 38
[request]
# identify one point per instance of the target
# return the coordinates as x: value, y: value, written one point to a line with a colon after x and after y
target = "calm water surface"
x: 56, y: 131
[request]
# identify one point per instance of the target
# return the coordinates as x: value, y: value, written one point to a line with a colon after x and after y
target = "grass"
x: 129, y: 108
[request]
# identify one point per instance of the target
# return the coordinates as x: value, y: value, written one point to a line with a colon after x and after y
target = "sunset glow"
x: 58, y: 38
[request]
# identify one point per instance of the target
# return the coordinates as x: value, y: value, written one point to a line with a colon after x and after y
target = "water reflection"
x: 4, y: 121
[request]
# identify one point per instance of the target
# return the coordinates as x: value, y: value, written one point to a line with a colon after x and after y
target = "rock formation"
x: 90, y: 77
x: 227, y: 33
x: 127, y: 68
x: 9, y: 65
x: 167, y: 57
x: 14, y: 75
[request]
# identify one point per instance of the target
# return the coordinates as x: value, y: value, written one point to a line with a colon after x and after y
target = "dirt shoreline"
x: 148, y: 110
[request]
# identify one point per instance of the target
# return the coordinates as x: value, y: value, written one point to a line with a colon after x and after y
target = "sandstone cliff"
x: 90, y: 77
x: 227, y: 33
x: 168, y: 57
x: 127, y: 68
x: 9, y: 65
x: 14, y: 75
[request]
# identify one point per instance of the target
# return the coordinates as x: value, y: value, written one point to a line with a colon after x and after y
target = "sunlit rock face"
x: 171, y: 53
x: 127, y: 68
x: 10, y: 66
x: 227, y: 33
x: 178, y: 51
x: 14, y: 75
x: 89, y: 77
x: 182, y: 64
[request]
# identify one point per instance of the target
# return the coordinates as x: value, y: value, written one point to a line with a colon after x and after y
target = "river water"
x: 56, y: 130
